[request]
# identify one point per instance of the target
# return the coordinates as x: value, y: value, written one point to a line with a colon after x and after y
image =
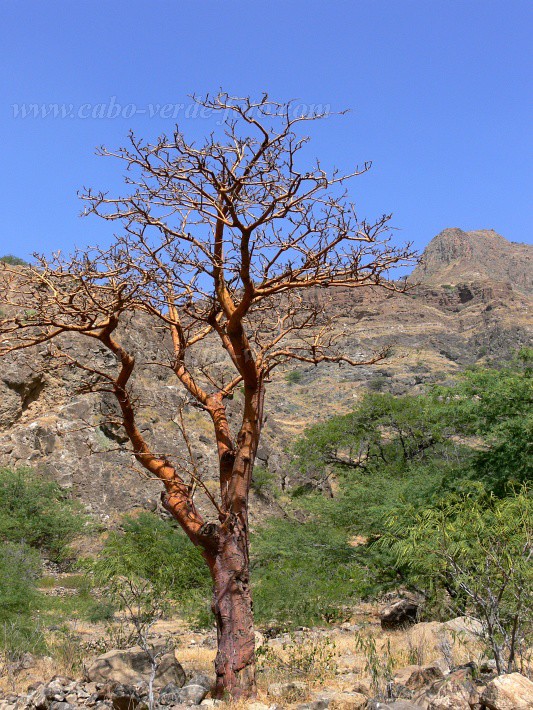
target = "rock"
x: 39, y: 699
x: 170, y: 689
x: 466, y: 626
x: 488, y: 665
x: 399, y: 614
x: 253, y: 706
x: 442, y: 664
x: 170, y: 699
x: 192, y: 694
x: 361, y: 687
x: 391, y: 705
x: 294, y: 690
x: 202, y: 679
x: 321, y: 704
x: 512, y: 691
x: 454, y: 692
x: 27, y: 661
x: 417, y: 677
x: 133, y: 666
x: 348, y: 701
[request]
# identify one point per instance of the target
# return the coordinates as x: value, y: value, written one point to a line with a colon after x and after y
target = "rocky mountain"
x: 470, y: 302
x: 454, y: 257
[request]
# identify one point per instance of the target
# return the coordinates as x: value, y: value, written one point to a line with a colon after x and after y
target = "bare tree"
x: 228, y: 240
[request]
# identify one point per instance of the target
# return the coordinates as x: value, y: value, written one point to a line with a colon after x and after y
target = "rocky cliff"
x: 471, y: 302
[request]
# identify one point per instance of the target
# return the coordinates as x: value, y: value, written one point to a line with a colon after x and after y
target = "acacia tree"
x: 226, y: 241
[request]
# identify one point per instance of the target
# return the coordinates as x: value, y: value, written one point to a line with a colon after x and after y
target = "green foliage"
x: 474, y: 552
x: 82, y: 605
x: 149, y: 549
x: 263, y: 481
x: 379, y: 663
x: 384, y: 431
x: 314, y: 658
x: 13, y: 260
x: 19, y: 570
x: 294, y: 377
x: 302, y: 573
x: 497, y: 406
x: 36, y: 517
x: 37, y: 512
x: 403, y: 456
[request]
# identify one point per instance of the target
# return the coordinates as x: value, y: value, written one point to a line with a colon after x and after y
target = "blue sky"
x: 439, y: 93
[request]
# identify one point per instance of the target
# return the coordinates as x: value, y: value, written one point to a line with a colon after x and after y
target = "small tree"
x: 479, y: 550
x: 228, y: 241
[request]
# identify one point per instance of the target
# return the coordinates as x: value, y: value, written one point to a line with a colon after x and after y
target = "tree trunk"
x: 232, y: 607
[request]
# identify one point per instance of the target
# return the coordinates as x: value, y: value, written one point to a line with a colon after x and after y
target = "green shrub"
x: 294, y: 377
x: 13, y: 260
x: 19, y: 570
x: 263, y: 481
x: 472, y: 553
x: 155, y: 550
x: 302, y: 574
x: 38, y: 512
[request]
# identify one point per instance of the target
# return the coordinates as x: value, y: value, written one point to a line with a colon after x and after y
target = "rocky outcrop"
x: 508, y: 692
x: 455, y: 256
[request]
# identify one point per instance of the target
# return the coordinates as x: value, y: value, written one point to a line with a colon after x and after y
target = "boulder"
x: 132, y: 666
x: 512, y: 691
x: 291, y: 691
x: 192, y: 694
x: 391, y: 705
x: 417, y: 677
x: 400, y: 613
x: 202, y: 679
x: 465, y: 626
x: 320, y: 704
x: 348, y: 701
x: 454, y: 692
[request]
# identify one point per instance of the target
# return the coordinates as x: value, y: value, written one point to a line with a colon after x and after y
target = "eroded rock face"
x: 512, y: 691
x: 132, y: 666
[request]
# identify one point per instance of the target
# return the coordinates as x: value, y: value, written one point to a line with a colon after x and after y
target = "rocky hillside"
x: 470, y: 302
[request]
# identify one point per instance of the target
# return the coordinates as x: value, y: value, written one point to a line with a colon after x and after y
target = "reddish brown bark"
x: 233, y: 611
